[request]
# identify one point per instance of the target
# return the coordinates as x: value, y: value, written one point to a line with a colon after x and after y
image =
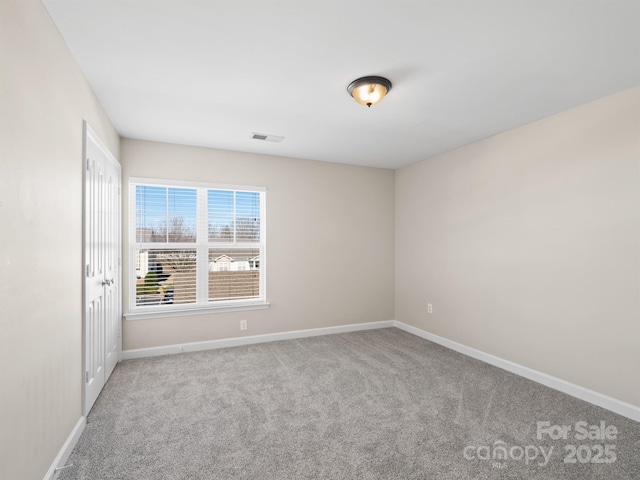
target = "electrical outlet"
x: 429, y: 308
x: 243, y: 324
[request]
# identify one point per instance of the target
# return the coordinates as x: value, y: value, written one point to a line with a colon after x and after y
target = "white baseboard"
x: 617, y: 406
x: 595, y: 398
x: 67, y: 448
x: 249, y: 340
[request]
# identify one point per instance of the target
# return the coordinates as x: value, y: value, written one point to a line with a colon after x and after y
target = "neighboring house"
x: 224, y: 263
x: 240, y: 265
x: 221, y: 264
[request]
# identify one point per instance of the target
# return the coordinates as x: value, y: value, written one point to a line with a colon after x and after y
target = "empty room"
x: 319, y: 239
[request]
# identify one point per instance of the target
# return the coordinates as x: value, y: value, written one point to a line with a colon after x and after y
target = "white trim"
x: 140, y: 314
x: 202, y: 247
x: 185, y: 183
x: 67, y: 448
x: 238, y: 341
x: 89, y: 132
x: 617, y: 406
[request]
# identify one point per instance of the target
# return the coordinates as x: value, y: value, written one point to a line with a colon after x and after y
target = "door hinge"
x: 87, y: 270
x: 86, y: 376
x: 88, y: 163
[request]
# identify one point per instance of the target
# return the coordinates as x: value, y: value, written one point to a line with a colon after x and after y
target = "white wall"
x: 528, y: 245
x: 330, y: 241
x: 43, y: 101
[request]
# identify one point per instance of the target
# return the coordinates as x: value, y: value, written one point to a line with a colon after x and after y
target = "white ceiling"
x: 211, y: 73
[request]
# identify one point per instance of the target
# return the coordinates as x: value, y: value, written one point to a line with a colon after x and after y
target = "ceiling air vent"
x: 267, y: 138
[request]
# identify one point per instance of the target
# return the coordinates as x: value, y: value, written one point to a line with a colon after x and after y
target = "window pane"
x: 220, y: 203
x: 165, y: 214
x: 181, y: 201
x: 248, y: 229
x: 220, y: 229
x: 234, y: 274
x: 221, y: 209
x: 151, y: 228
x: 181, y: 229
x: 148, y: 198
x: 248, y: 204
x: 247, y: 217
x: 165, y: 276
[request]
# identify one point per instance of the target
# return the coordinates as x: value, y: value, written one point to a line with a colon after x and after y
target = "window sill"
x: 144, y: 313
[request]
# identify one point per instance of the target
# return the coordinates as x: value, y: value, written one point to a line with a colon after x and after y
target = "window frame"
x: 202, y: 245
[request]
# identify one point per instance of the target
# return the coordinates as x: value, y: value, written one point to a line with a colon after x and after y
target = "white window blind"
x: 195, y: 246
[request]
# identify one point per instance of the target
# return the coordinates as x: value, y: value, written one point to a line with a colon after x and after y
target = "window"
x: 195, y: 247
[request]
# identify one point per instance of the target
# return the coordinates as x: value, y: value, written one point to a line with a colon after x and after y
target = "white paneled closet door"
x: 102, y: 264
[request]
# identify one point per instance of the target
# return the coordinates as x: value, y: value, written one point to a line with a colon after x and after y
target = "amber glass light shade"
x: 368, y: 91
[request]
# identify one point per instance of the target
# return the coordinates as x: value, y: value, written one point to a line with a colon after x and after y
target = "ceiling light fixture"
x: 369, y: 90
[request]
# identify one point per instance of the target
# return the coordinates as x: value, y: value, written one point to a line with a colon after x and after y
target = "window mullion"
x: 263, y: 238
x: 235, y: 215
x: 202, y: 237
x: 133, y: 239
x: 166, y: 213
